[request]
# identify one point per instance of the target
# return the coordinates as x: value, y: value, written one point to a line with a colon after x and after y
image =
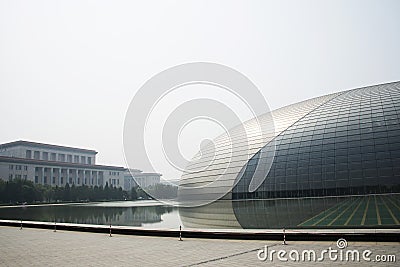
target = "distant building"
x: 135, y: 178
x: 56, y: 165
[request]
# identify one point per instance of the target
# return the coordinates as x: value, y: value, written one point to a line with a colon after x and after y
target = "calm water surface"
x: 146, y: 214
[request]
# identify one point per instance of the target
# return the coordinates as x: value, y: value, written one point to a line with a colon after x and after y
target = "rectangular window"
x: 53, y: 156
x: 25, y: 176
x: 28, y: 154
x: 61, y: 157
x: 36, y: 154
x: 69, y: 158
x: 76, y: 159
x: 83, y: 159
x: 10, y: 177
x: 45, y: 156
x: 54, y: 180
x: 18, y: 167
x: 89, y: 159
x: 11, y: 167
x: 25, y: 168
x: 62, y: 180
x: 45, y: 179
x: 36, y: 179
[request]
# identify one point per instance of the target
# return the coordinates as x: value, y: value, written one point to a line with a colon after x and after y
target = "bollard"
x: 110, y: 230
x: 21, y: 226
x: 180, y: 233
x: 284, y: 237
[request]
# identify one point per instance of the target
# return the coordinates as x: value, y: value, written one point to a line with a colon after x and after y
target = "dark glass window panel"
x: 341, y: 159
x: 291, y: 171
x: 353, y: 137
x: 357, y: 183
x: 354, y: 143
x: 328, y: 168
x: 355, y: 174
x: 315, y: 169
x: 314, y: 177
x: 380, y: 141
x: 367, y: 149
x: 315, y: 156
x: 293, y: 150
x: 382, y: 155
x: 385, y: 172
x: 306, y: 138
x: 302, y: 171
x: 354, y: 151
x: 291, y: 164
x: 329, y: 135
x: 342, y: 183
x: 341, y: 145
x: 369, y: 164
x: 294, y: 145
x: 396, y: 162
x: 393, y: 139
x: 315, y: 149
x: 384, y: 163
x: 316, y: 142
x: 370, y: 172
x: 355, y: 165
x: 328, y: 141
x: 330, y: 184
x: 341, y: 152
x: 380, y: 134
x: 368, y: 156
x: 341, y: 167
x: 329, y: 160
x: 367, y: 137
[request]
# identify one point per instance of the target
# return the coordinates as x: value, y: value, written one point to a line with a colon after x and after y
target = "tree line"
x: 25, y: 191
x: 21, y: 191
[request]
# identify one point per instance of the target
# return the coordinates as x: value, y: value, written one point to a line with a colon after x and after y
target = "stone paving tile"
x: 38, y: 247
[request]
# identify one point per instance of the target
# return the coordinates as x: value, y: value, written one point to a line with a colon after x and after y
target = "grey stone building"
x: 134, y: 178
x: 56, y: 165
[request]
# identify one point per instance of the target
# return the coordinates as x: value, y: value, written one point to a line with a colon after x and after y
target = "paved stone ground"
x: 38, y: 247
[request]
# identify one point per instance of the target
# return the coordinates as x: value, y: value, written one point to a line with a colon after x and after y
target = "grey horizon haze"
x: 69, y: 69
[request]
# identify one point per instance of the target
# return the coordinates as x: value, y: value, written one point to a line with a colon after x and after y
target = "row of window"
x: 58, y: 157
x: 71, y: 171
x: 18, y: 167
x: 54, y: 180
x: 17, y: 176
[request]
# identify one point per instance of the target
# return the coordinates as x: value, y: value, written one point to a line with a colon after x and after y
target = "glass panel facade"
x: 343, y: 155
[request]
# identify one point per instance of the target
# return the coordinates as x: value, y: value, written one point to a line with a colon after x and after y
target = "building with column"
x: 134, y: 178
x: 55, y: 165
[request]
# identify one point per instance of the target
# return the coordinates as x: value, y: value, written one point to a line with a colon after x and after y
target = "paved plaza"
x: 40, y: 247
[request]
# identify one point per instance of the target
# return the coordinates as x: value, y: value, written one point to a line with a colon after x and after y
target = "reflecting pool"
x: 146, y: 214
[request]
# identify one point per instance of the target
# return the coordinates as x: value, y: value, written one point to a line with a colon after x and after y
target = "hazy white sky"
x: 69, y: 69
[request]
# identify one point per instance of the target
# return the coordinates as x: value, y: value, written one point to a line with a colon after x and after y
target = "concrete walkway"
x: 41, y: 247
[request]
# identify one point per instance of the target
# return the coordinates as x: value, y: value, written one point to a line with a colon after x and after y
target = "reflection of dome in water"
x: 336, y: 164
